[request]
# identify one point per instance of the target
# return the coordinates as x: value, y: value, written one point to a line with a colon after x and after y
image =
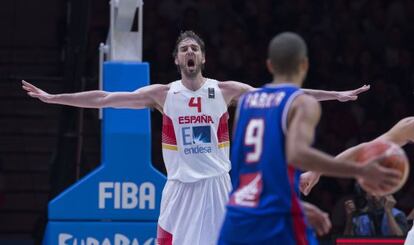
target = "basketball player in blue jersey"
x: 275, y: 127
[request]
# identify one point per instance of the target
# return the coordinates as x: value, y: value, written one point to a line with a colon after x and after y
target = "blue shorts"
x: 285, y: 238
x: 280, y: 231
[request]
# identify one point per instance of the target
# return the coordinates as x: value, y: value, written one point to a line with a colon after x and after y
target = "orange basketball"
x: 394, y: 157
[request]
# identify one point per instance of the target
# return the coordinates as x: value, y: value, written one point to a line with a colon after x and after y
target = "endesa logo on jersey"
x: 196, y: 138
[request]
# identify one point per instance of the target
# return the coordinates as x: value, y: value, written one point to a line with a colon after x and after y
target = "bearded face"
x: 190, y: 59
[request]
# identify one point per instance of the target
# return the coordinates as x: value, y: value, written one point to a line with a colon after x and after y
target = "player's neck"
x: 293, y: 79
x: 193, y: 83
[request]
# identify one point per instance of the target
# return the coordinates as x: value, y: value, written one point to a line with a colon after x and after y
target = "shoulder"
x: 304, y: 107
x: 154, y: 89
x: 234, y: 86
x: 155, y: 94
x: 162, y: 87
x: 232, y: 90
x: 306, y: 102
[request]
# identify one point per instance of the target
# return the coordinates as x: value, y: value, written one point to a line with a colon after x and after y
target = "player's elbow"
x: 102, y: 99
x: 296, y: 154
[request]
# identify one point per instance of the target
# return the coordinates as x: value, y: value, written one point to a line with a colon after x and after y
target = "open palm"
x: 36, y: 92
x: 352, y: 94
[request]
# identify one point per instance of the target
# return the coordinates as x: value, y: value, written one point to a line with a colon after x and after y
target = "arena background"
x: 54, y: 44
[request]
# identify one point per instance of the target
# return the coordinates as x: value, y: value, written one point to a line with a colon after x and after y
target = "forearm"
x: 347, y: 155
x: 393, y: 225
x: 300, y: 134
x: 233, y: 90
x: 311, y: 159
x: 89, y: 99
x: 321, y: 95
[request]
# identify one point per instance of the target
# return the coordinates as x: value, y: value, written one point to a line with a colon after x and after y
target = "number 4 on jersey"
x: 195, y: 103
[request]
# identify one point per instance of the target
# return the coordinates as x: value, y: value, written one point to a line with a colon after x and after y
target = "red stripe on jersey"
x: 163, y: 236
x: 299, y: 225
x: 223, y: 128
x: 168, y: 134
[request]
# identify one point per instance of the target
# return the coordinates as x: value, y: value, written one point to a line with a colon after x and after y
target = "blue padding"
x: 60, y: 233
x: 125, y: 186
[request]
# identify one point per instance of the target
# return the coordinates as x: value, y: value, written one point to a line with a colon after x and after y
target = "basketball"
x: 394, y: 157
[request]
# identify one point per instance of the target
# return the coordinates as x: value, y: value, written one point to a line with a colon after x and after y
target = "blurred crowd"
x: 350, y: 43
x: 368, y: 215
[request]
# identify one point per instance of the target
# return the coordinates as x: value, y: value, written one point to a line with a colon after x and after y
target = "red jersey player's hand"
x: 348, y: 95
x: 36, y: 92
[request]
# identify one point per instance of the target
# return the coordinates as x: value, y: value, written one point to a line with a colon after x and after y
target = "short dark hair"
x: 189, y: 35
x: 286, y: 51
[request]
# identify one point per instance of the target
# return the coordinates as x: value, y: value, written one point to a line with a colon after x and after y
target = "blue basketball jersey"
x: 264, y: 204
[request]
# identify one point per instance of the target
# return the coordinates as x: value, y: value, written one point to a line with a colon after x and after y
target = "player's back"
x: 264, y: 201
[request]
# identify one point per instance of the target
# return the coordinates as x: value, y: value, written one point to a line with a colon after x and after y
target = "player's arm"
x: 303, y: 117
x: 310, y: 178
x: 141, y: 98
x: 401, y: 133
x: 232, y: 90
x: 302, y: 120
x: 343, y: 96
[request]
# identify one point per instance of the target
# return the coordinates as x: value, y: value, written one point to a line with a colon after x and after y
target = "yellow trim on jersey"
x: 170, y: 147
x: 224, y: 144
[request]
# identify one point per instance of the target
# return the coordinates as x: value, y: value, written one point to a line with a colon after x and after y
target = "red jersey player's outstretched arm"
x: 148, y: 96
x: 232, y: 91
x: 343, y: 96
